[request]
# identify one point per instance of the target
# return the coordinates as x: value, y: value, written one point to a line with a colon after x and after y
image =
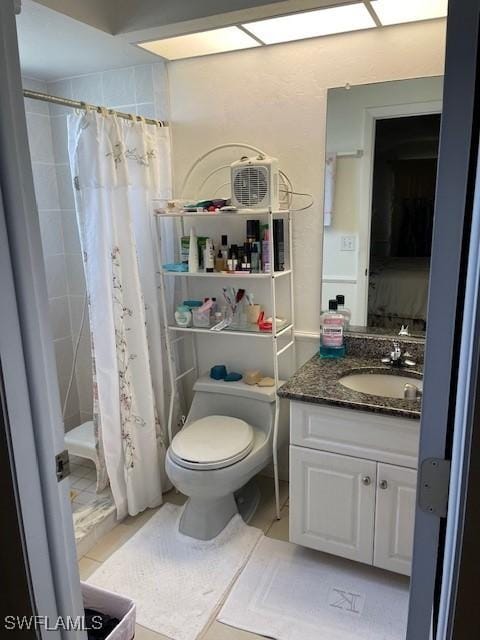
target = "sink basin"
x: 380, y: 384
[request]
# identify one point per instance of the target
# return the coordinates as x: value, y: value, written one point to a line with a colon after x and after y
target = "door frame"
x: 454, y: 205
x: 370, y: 117
x: 461, y: 569
x: 28, y: 358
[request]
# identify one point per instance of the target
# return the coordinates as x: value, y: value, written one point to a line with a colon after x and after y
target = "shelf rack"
x: 174, y: 334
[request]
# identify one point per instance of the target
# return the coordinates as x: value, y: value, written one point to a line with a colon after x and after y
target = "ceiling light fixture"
x: 201, y: 44
x: 400, y: 11
x: 311, y: 24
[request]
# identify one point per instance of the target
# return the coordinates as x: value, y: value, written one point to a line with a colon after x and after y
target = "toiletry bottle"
x: 225, y: 249
x: 184, y: 249
x: 258, y: 244
x: 253, y: 231
x: 346, y: 313
x: 220, y: 264
x: 209, y: 256
x: 266, y: 250
x: 233, y: 258
x: 193, y: 252
x: 254, y: 259
x: 278, y: 246
x: 183, y: 316
x: 331, y: 332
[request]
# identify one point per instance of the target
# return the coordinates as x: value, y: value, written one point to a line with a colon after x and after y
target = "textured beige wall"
x: 276, y: 98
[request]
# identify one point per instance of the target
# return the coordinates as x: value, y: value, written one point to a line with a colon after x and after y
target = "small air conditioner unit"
x: 255, y: 183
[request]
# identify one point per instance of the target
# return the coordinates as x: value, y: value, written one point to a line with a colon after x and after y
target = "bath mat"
x: 177, y: 582
x: 287, y: 592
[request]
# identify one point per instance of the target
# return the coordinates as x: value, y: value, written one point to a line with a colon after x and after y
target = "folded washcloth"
x: 177, y: 266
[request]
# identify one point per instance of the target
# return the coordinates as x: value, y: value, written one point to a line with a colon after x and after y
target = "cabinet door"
x: 332, y: 503
x: 395, y: 518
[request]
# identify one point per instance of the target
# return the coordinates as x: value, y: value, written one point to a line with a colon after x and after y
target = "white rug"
x: 290, y: 593
x: 177, y: 582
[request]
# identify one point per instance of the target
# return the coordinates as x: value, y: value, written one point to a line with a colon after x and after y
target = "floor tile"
x: 136, y: 522
x: 141, y: 633
x: 81, y: 483
x: 219, y: 631
x: 87, y: 566
x: 81, y: 471
x: 86, y: 543
x: 83, y: 497
x: 279, y: 528
x: 265, y: 513
x: 175, y: 497
x: 110, y: 542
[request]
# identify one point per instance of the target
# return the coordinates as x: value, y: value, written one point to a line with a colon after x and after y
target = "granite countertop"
x: 317, y: 382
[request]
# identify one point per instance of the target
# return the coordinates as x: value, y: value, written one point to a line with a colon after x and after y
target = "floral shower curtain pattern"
x: 118, y: 166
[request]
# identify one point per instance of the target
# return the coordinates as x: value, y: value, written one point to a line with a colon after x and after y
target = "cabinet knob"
x: 366, y: 480
x: 383, y: 484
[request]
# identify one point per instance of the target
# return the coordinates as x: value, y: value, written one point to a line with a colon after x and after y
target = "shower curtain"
x: 117, y: 167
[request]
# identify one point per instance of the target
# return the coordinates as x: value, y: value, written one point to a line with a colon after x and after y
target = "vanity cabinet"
x: 332, y: 503
x: 353, y: 484
x: 394, y: 518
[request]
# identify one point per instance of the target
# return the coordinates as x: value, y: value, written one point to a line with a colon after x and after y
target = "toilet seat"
x: 212, y: 442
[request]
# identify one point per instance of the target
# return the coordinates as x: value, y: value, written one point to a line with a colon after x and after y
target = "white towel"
x: 330, y: 175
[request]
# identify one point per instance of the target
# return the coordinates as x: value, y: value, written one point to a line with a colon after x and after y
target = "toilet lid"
x: 213, y: 442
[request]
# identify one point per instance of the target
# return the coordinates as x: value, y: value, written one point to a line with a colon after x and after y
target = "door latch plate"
x: 62, y: 465
x: 434, y: 484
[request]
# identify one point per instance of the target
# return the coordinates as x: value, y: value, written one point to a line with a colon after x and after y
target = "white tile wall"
x: 118, y: 86
x: 42, y: 151
x: 71, y: 239
x: 60, y: 317
x: 51, y: 231
x: 40, y: 137
x: 141, y: 90
x: 45, y: 182
x: 56, y: 268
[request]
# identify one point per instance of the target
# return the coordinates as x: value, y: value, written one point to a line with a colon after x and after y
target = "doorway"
x: 403, y: 199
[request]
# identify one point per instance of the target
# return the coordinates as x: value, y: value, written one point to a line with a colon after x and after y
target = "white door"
x: 332, y: 503
x: 395, y: 518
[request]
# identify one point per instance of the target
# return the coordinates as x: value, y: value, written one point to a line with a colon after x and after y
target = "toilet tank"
x: 255, y: 405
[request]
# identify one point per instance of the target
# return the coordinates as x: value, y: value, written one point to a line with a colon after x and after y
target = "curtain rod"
x: 76, y: 104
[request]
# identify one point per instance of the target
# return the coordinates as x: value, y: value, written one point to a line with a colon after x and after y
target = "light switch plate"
x: 347, y: 243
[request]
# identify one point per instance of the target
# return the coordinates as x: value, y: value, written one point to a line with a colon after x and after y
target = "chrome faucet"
x: 397, y: 358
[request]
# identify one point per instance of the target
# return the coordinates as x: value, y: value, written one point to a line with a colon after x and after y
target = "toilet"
x: 226, y: 440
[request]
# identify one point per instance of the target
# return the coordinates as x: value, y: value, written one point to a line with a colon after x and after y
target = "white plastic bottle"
x: 346, y: 313
x: 193, y: 252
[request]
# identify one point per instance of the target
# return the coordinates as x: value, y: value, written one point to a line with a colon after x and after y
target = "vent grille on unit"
x: 250, y: 186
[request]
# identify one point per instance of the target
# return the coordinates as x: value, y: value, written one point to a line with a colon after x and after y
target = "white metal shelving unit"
x: 175, y: 334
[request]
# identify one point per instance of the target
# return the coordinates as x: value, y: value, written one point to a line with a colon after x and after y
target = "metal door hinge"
x: 62, y: 465
x: 434, y: 484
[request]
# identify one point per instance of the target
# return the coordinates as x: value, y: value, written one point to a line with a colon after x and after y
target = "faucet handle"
x: 397, y: 352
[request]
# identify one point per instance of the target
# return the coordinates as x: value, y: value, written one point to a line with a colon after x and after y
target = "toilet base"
x: 248, y: 499
x: 204, y: 518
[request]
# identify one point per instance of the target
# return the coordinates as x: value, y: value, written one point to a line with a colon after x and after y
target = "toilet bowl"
x: 226, y: 440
